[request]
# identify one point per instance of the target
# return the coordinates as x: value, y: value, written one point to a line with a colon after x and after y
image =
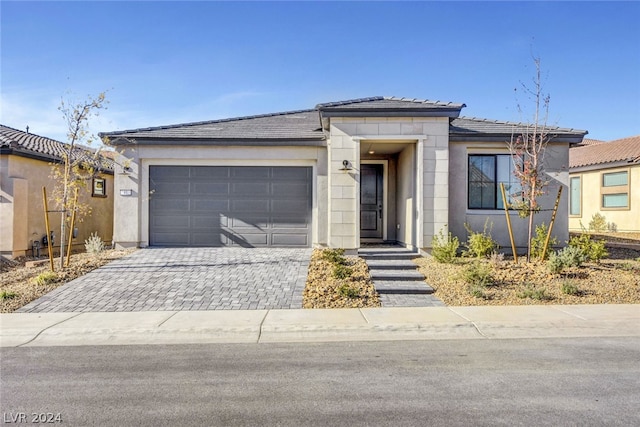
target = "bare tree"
x: 79, y: 164
x: 527, y: 148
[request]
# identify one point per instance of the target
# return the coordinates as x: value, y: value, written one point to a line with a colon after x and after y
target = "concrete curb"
x: 273, y: 326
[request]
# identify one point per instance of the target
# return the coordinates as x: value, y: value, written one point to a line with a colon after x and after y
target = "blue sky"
x: 175, y: 62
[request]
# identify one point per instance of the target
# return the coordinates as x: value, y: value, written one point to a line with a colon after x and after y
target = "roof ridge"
x: 207, y: 122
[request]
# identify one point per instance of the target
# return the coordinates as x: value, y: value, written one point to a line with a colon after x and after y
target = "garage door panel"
x: 289, y: 206
x: 253, y: 239
x: 230, y: 206
x: 249, y: 172
x: 250, y: 189
x: 210, y: 238
x: 210, y: 188
x: 290, y: 189
x: 168, y: 172
x: 250, y: 222
x: 168, y: 187
x: 170, y: 239
x: 250, y: 206
x: 170, y: 221
x: 298, y: 223
x: 292, y: 173
x: 210, y: 205
x: 209, y: 222
x: 279, y: 239
x: 169, y: 205
x: 210, y: 172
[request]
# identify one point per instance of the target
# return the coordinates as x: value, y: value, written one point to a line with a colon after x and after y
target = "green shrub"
x: 341, y: 271
x: 598, y: 223
x: 478, y: 291
x: 478, y: 274
x: 7, y: 295
x: 348, y: 291
x: 537, y: 241
x: 569, y: 288
x: 531, y: 292
x: 480, y: 244
x: 593, y: 249
x: 94, y: 244
x: 444, y: 248
x: 570, y: 256
x: 334, y: 256
x: 45, y: 278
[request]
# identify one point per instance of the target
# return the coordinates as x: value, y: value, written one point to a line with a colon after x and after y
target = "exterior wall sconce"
x: 126, y: 192
x: 346, y: 166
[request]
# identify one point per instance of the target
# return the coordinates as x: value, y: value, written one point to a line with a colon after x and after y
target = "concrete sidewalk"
x: 367, y: 324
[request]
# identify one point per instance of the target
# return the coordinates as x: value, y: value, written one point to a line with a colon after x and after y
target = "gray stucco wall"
x: 556, y: 167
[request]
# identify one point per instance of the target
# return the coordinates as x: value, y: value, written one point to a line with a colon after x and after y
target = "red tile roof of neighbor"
x: 620, y: 150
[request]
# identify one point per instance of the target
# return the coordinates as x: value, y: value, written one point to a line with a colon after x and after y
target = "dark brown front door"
x: 371, y: 201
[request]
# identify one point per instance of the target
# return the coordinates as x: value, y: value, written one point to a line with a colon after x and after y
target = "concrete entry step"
x: 397, y: 275
x: 402, y: 287
x: 390, y: 264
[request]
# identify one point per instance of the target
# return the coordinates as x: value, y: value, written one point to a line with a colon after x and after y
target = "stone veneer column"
x: 344, y: 186
x: 435, y: 187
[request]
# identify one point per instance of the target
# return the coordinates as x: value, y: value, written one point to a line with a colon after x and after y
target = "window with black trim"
x: 485, y: 173
x: 99, y: 187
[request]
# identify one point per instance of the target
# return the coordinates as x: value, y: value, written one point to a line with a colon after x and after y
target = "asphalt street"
x: 553, y: 381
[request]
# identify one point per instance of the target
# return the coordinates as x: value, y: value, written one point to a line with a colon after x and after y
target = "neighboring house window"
x: 99, y: 187
x: 575, y: 200
x: 615, y: 190
x: 486, y: 172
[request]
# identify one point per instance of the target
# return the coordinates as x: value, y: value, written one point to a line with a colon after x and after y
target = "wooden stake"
x: 553, y: 218
x: 46, y: 223
x: 506, y: 212
x: 73, y: 221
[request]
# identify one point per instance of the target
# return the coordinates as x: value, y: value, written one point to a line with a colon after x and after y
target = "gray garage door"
x: 225, y: 206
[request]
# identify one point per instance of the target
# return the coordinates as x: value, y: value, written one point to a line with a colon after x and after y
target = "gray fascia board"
x: 408, y: 112
x: 257, y: 142
x: 493, y: 137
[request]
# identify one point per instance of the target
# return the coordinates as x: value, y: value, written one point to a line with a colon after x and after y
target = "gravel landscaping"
x: 19, y: 285
x: 325, y: 290
x: 614, y: 280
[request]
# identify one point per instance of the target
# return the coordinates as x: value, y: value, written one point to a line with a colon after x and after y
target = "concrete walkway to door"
x: 156, y: 279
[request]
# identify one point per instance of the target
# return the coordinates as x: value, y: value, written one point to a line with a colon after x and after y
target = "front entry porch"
x: 387, y: 196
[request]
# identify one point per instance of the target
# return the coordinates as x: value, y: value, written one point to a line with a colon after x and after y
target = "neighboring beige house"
x: 366, y: 170
x: 25, y: 167
x: 605, y: 179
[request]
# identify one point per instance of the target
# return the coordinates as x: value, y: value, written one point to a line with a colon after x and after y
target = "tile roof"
x: 306, y: 125
x: 14, y: 141
x: 389, y: 102
x: 621, y: 150
x: 589, y: 141
x: 468, y: 126
x: 292, y: 125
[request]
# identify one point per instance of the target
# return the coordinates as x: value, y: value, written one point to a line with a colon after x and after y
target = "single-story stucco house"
x: 25, y: 167
x: 365, y: 170
x: 605, y: 180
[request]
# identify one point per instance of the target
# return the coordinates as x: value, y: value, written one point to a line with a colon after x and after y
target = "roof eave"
x: 604, y: 165
x: 267, y: 142
x: 493, y: 137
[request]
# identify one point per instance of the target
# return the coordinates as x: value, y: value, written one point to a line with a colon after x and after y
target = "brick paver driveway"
x: 186, y: 279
